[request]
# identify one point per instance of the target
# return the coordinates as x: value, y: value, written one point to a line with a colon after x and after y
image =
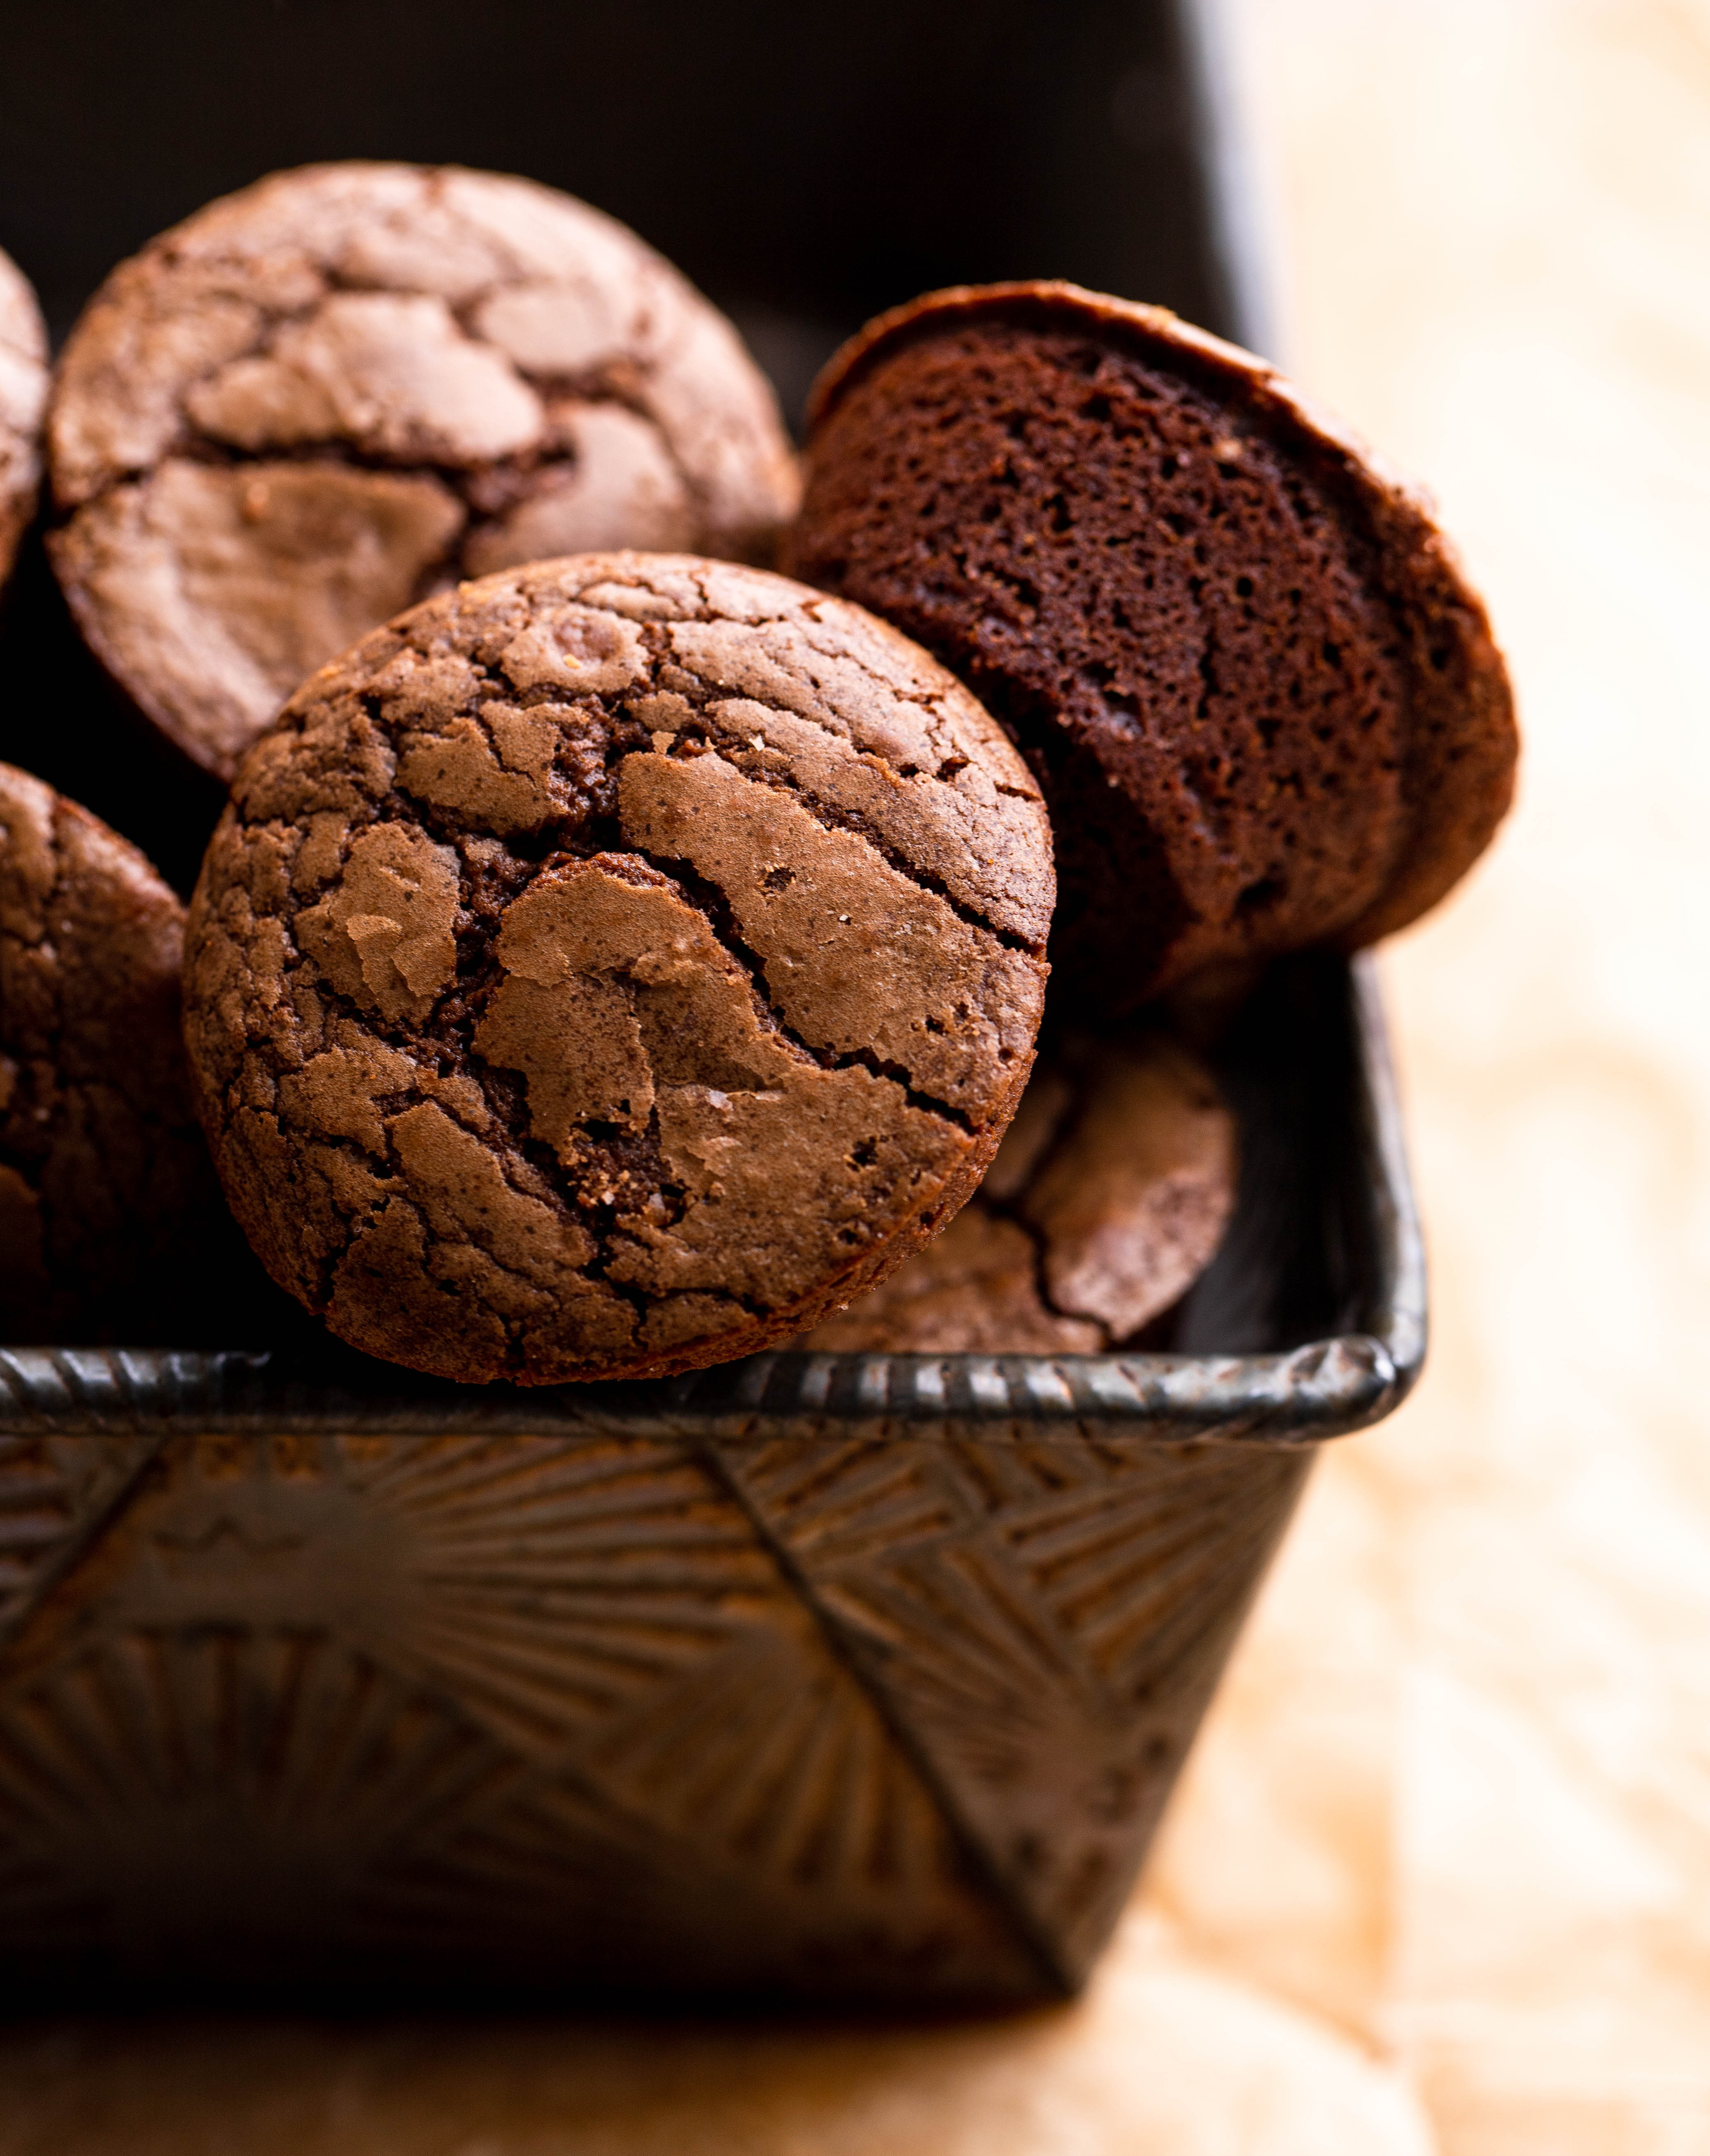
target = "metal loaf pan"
x: 833, y: 1674
x: 821, y: 1675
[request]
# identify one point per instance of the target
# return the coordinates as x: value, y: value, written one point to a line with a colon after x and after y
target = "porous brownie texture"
x: 612, y: 966
x: 108, y: 1210
x: 1107, y: 1198
x: 322, y: 399
x: 1264, y: 704
x: 24, y: 396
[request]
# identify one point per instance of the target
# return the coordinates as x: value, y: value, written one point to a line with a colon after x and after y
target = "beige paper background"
x: 1438, y: 1879
x: 1485, y: 1846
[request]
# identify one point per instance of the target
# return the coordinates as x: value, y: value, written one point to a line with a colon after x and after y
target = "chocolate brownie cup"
x: 23, y: 396
x: 327, y: 396
x: 1264, y: 704
x: 611, y: 966
x: 108, y: 1206
x: 1106, y: 1200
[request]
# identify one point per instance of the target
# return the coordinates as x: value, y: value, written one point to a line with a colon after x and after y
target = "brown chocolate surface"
x: 109, y: 1211
x: 23, y: 396
x: 322, y: 399
x: 611, y: 966
x: 1107, y: 1198
x: 1266, y: 708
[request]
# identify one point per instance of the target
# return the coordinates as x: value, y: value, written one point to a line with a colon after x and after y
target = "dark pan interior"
x: 806, y: 161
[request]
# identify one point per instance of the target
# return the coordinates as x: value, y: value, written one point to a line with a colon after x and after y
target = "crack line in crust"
x: 551, y: 383
x: 581, y: 826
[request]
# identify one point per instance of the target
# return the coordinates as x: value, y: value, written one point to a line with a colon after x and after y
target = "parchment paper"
x: 1439, y: 1877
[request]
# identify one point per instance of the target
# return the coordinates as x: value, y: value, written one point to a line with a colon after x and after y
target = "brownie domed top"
x: 612, y: 965
x: 326, y: 396
x: 1265, y: 705
x: 23, y: 394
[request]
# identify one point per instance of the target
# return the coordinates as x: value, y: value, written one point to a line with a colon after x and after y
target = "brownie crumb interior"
x: 1265, y: 710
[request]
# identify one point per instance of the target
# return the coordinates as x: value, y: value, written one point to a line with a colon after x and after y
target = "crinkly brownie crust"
x: 613, y: 966
x: 1265, y: 706
x: 326, y: 396
x: 1108, y: 1200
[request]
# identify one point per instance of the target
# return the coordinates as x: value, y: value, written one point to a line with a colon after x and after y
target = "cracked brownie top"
x: 613, y: 966
x: 23, y: 393
x: 326, y: 396
x: 1107, y: 1198
x: 1265, y: 705
x: 109, y: 1216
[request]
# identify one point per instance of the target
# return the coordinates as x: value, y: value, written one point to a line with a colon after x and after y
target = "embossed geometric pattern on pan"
x: 1044, y: 1626
x: 539, y: 1708
x: 1264, y: 701
x: 55, y: 1493
x: 24, y: 396
x: 322, y: 399
x: 613, y: 966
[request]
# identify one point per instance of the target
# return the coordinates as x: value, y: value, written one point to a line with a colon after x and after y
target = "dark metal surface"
x: 824, y: 1675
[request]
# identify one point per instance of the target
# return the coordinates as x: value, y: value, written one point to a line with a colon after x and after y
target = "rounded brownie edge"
x: 612, y: 967
x: 1169, y: 802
